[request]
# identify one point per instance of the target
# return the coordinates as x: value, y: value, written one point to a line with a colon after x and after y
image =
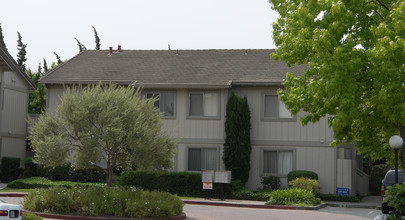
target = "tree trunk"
x: 402, y: 134
x: 109, y: 173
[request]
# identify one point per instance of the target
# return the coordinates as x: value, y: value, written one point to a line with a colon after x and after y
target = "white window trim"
x: 203, y: 117
x: 277, y: 149
x: 263, y: 103
x: 218, y: 159
x: 175, y: 102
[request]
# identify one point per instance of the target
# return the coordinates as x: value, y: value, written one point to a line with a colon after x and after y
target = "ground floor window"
x: 202, y: 159
x: 277, y: 162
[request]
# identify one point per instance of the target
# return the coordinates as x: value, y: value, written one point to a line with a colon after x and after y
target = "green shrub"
x: 395, y: 196
x: 305, y: 183
x: 30, y: 216
x: 394, y: 217
x: 377, y: 174
x: 10, y: 168
x: 94, y: 175
x: 292, y: 175
x: 270, y: 182
x: 337, y: 198
x: 179, y: 183
x: 104, y: 201
x: 248, y: 194
x: 293, y: 196
x: 30, y: 168
x: 40, y: 182
x: 59, y: 173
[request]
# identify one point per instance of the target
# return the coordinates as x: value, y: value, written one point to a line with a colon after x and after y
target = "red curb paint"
x: 13, y: 194
x: 190, y: 202
x: 55, y: 216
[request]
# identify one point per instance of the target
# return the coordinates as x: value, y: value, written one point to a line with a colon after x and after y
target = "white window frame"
x: 217, y: 155
x: 276, y: 118
x: 293, y: 165
x: 203, y: 94
x: 174, y: 102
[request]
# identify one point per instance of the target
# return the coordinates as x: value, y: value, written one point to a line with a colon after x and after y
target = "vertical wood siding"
x: 14, y: 112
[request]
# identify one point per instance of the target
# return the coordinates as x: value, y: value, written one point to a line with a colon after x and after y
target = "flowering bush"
x: 103, y: 201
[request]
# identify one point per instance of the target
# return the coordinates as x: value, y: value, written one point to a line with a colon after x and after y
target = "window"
x: 274, y: 108
x: 165, y: 102
x: 277, y: 162
x: 202, y: 159
x: 205, y: 104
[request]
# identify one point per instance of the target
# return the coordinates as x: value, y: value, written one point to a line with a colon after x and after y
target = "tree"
x: 103, y: 123
x: 2, y: 43
x: 21, y: 52
x: 81, y: 46
x: 37, y: 98
x: 355, y: 52
x: 97, y: 39
x: 237, y: 145
x: 45, y: 66
x: 58, y: 60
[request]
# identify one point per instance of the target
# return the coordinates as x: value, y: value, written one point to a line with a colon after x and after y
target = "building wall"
x: 14, y: 109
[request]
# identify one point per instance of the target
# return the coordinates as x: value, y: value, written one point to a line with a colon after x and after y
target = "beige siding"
x: 13, y: 147
x: 14, y: 112
x: 54, y: 92
x: 13, y: 79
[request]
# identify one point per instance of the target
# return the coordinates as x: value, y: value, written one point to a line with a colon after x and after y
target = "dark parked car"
x: 388, y: 181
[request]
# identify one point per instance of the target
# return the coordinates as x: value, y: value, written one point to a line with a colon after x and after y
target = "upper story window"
x: 204, y: 104
x: 165, y: 102
x: 274, y: 108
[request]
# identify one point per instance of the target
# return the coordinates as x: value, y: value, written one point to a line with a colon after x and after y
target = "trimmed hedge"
x: 40, y: 182
x: 10, y: 169
x: 248, y: 194
x: 337, y: 198
x: 270, y: 182
x: 377, y: 174
x: 292, y: 175
x: 293, y: 196
x: 105, y: 202
x: 180, y: 183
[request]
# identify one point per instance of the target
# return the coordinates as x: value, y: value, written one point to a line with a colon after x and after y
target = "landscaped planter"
x: 56, y: 216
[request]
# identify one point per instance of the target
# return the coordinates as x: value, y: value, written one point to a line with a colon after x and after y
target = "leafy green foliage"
x: 22, y: 52
x: 102, y: 201
x: 58, y: 60
x: 40, y: 182
x: 293, y: 196
x: 377, y: 174
x: 237, y: 145
x: 394, y: 217
x: 10, y: 169
x: 103, y: 123
x: 292, y: 175
x: 304, y: 183
x: 248, y: 194
x: 395, y: 195
x: 37, y: 98
x: 30, y: 216
x: 355, y: 55
x: 81, y: 46
x: 30, y: 168
x: 270, y: 182
x: 337, y: 198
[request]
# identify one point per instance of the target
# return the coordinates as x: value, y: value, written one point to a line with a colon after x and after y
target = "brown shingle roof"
x: 171, y: 68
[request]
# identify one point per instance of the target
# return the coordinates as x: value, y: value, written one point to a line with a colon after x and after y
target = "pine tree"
x: 2, y: 39
x: 97, y: 39
x: 21, y: 52
x: 45, y: 66
x: 81, y: 46
x: 237, y: 145
x: 58, y: 60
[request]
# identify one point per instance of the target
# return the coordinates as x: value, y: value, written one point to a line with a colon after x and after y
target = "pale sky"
x: 51, y: 25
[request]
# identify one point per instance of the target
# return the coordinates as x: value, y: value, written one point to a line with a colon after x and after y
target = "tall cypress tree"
x: 237, y: 145
x: 2, y: 43
x: 97, y: 39
x: 45, y: 66
x: 58, y: 60
x: 21, y: 56
x: 81, y: 46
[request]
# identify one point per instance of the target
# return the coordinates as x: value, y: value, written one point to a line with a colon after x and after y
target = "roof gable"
x: 169, y: 68
x: 7, y: 61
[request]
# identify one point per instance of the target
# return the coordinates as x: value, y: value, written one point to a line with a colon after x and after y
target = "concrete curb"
x: 359, y: 206
x: 55, y: 216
